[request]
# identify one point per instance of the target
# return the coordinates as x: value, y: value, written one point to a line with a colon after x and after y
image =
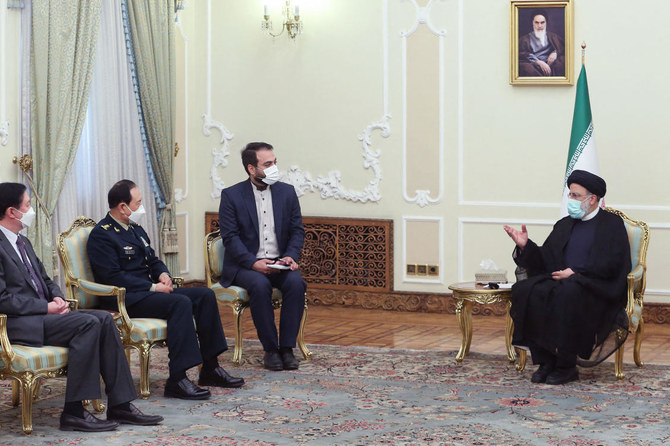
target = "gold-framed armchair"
x: 141, y: 334
x: 237, y: 298
x: 26, y: 366
x: 638, y: 238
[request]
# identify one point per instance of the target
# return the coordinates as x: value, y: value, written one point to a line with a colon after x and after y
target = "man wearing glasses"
x: 575, y: 293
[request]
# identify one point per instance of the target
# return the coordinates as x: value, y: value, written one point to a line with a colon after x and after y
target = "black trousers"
x: 543, y: 356
x: 188, y: 345
x: 94, y: 350
x: 259, y: 286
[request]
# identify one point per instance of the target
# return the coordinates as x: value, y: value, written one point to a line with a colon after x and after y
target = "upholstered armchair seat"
x: 141, y: 334
x: 237, y: 297
x: 148, y: 329
x: 34, y: 359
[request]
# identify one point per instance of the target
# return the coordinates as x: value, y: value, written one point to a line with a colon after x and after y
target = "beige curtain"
x: 64, y: 36
x: 152, y: 30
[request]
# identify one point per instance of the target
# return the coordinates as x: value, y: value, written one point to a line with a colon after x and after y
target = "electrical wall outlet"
x: 433, y: 270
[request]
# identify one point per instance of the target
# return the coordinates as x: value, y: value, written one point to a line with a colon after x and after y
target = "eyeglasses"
x: 575, y: 196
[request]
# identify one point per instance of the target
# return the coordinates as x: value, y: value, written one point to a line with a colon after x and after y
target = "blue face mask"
x: 575, y: 209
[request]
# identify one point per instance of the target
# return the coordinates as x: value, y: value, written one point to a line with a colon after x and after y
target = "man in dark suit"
x: 120, y: 254
x: 261, y: 230
x: 38, y: 315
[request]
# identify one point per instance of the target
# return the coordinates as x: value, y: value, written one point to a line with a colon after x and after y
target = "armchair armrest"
x: 73, y: 304
x: 7, y: 353
x: 178, y: 282
x: 99, y: 289
x: 637, y: 273
x: 635, y: 283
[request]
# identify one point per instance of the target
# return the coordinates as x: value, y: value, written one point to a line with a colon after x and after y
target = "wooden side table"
x: 468, y: 292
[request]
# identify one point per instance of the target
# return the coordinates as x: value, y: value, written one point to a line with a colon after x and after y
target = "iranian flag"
x: 582, y: 154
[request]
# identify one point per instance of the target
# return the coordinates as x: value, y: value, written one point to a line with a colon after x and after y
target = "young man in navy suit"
x: 38, y: 315
x: 261, y: 230
x: 120, y: 254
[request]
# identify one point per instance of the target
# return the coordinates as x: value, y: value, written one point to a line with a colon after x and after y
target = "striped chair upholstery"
x: 237, y: 298
x: 141, y: 334
x: 26, y: 367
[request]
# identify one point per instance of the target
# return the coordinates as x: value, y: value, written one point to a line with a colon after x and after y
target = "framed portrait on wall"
x: 541, y: 42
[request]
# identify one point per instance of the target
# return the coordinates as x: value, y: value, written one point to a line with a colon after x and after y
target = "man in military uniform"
x: 120, y: 254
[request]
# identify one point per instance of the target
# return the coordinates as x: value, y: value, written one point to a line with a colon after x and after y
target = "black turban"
x: 592, y: 183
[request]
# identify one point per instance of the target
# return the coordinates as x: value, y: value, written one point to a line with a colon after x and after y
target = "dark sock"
x: 123, y: 406
x: 74, y: 408
x: 209, y: 365
x: 177, y: 376
x: 285, y: 349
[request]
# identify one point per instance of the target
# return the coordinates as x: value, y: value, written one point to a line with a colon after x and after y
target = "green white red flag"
x: 582, y: 154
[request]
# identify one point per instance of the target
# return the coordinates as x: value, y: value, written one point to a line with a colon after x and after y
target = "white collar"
x: 589, y: 216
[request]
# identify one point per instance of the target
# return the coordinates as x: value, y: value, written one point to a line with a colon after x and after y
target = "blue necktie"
x: 36, y: 280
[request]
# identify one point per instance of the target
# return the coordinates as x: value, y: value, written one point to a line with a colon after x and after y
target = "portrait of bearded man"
x: 541, y: 52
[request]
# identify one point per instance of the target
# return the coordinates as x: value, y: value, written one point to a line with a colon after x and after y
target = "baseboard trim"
x: 653, y: 313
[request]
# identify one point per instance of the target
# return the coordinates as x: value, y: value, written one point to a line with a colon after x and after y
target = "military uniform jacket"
x: 123, y: 257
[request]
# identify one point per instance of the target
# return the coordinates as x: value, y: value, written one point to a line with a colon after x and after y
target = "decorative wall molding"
x: 187, y: 233
x: 328, y: 185
x: 331, y: 186
x: 219, y: 152
x: 423, y: 197
x: 179, y: 194
x: 417, y: 279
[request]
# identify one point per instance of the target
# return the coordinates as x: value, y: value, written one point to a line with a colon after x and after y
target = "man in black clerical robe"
x: 575, y: 293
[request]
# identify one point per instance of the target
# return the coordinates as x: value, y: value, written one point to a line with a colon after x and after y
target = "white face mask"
x: 271, y: 175
x: 27, y: 218
x: 136, y: 216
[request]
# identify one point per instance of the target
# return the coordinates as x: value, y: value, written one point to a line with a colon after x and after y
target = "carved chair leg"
x: 638, y: 343
x: 618, y: 362
x: 237, y: 353
x: 128, y: 355
x: 27, y: 392
x: 36, y: 389
x: 521, y: 363
x: 16, y: 392
x: 98, y: 406
x: 301, y: 336
x: 144, y: 352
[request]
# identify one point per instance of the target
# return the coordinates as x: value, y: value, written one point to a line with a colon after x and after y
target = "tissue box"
x: 497, y: 275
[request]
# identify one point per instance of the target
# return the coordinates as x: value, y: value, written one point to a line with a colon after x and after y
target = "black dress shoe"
x: 272, y: 361
x: 89, y: 423
x: 185, y: 390
x: 541, y: 373
x: 288, y: 360
x: 562, y: 376
x: 132, y: 416
x: 219, y: 378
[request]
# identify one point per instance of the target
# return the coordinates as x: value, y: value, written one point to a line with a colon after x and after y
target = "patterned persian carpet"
x: 352, y: 396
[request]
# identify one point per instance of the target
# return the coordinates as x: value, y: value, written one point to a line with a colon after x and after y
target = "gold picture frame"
x: 537, y: 57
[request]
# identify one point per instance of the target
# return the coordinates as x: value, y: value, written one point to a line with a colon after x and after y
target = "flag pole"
x: 583, y: 51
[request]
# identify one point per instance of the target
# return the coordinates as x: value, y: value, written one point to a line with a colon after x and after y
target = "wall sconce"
x: 292, y: 23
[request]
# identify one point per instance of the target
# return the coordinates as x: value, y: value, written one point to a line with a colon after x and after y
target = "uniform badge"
x: 144, y: 241
x: 106, y: 227
x: 116, y: 229
x: 128, y: 250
